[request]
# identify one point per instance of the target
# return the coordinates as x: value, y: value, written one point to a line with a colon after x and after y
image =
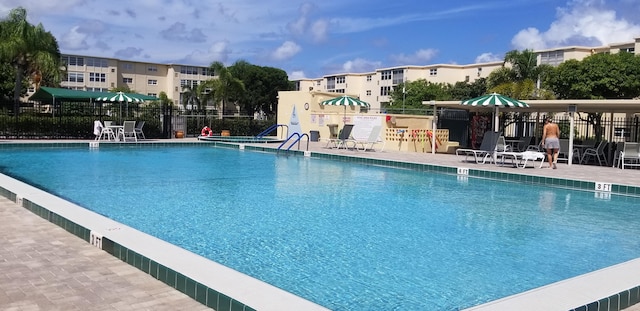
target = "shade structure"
x: 345, y: 101
x: 495, y: 101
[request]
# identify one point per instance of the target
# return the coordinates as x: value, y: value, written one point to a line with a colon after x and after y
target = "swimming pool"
x: 314, y: 228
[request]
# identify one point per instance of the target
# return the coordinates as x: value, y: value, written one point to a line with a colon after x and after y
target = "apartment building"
x: 102, y: 74
x: 375, y: 87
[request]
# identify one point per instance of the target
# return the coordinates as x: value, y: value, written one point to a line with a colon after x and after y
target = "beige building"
x: 374, y: 87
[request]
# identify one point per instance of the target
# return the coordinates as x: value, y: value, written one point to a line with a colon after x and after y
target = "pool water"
x: 346, y: 236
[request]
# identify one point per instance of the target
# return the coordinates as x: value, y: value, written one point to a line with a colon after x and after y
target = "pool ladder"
x: 295, y: 138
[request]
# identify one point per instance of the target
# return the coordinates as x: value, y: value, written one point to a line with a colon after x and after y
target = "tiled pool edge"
x: 612, y: 301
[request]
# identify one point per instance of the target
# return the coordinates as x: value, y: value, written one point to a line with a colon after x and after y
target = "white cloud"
x: 488, y: 58
x: 319, y: 30
x: 296, y: 75
x: 218, y: 51
x: 360, y: 65
x: 74, y: 40
x: 583, y: 22
x: 287, y: 50
x: 417, y: 58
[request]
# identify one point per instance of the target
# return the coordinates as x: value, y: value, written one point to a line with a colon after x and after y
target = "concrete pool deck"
x: 48, y: 268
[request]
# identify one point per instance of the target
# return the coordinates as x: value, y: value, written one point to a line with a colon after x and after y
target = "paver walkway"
x: 43, y: 267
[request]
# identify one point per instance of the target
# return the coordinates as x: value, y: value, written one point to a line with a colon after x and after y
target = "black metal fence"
x: 75, y: 120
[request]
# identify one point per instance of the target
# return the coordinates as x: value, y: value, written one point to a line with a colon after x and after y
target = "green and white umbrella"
x: 127, y: 98
x: 495, y: 101
x: 345, y: 101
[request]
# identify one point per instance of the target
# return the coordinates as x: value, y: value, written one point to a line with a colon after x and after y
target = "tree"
x: 261, y: 86
x: 225, y: 87
x: 415, y: 92
x: 599, y: 76
x: 465, y: 90
x: 31, y: 50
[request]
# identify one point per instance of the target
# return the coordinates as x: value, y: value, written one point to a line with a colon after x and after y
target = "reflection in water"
x: 546, y: 200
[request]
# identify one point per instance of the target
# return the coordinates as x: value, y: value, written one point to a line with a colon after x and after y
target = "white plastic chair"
x: 597, y: 153
x: 106, y: 133
x: 128, y: 130
x: 138, y: 129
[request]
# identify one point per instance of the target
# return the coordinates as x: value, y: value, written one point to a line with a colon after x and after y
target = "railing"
x: 297, y: 137
x: 271, y: 129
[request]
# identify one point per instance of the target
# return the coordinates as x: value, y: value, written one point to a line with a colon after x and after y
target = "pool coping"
x: 612, y: 288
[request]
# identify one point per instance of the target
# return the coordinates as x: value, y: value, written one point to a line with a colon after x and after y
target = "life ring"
x: 206, y: 131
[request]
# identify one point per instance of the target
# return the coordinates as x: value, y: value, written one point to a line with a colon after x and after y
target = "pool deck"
x: 49, y: 268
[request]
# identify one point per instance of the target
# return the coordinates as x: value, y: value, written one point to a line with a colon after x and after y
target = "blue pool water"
x: 344, y: 235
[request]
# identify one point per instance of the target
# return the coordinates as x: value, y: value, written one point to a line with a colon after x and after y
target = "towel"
x: 97, y: 128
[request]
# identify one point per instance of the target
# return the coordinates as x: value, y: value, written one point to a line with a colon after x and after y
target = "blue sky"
x: 315, y: 38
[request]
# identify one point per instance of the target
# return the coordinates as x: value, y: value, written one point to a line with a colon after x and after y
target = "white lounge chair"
x: 105, y: 132
x: 630, y: 155
x: 486, y: 151
x: 520, y: 159
x: 374, y: 138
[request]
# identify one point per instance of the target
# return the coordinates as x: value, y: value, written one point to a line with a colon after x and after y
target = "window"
x: 73, y: 60
x: 153, y: 68
x: 97, y: 77
x: 97, y: 89
x: 479, y: 71
x: 331, y: 83
x: 189, y: 70
x: 368, y: 92
x: 368, y: 78
x: 628, y: 50
x: 190, y: 83
x: 153, y: 94
x: 31, y: 89
x: 340, y: 79
x: 398, y: 76
x: 340, y: 91
x: 75, y: 77
x: 208, y: 72
x: 127, y: 80
x: 385, y: 90
x: 466, y: 78
x: 97, y: 62
x: 433, y: 72
x: 552, y: 58
x: 318, y: 82
x: 152, y: 82
x: 385, y: 75
x: 127, y: 66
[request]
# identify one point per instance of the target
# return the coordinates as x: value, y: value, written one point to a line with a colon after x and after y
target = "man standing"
x: 551, y: 141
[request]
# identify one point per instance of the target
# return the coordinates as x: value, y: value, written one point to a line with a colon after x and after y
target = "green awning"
x: 49, y: 94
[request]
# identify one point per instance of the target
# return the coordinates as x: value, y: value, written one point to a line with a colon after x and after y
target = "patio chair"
x: 617, y: 154
x: 374, y: 138
x: 486, y: 151
x: 138, y: 129
x: 595, y: 153
x: 344, y: 135
x: 104, y: 132
x: 524, y: 143
x: 128, y: 130
x: 630, y: 155
x: 563, y: 154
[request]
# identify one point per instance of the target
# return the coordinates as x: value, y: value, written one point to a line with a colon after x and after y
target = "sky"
x: 310, y: 39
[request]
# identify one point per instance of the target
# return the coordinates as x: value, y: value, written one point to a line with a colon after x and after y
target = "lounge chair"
x: 630, y: 155
x: 520, y: 159
x: 138, y: 129
x: 563, y: 154
x: 128, y: 130
x: 486, y: 151
x: 374, y: 138
x: 344, y: 135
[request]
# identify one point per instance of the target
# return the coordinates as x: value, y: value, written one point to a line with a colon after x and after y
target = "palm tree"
x: 225, y: 87
x: 31, y: 50
x: 524, y: 65
x: 190, y: 97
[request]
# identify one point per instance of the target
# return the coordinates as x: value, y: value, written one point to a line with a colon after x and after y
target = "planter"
x: 179, y: 134
x: 225, y: 133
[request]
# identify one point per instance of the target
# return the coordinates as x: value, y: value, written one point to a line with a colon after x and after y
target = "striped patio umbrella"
x: 345, y: 101
x: 127, y: 98
x: 495, y: 101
